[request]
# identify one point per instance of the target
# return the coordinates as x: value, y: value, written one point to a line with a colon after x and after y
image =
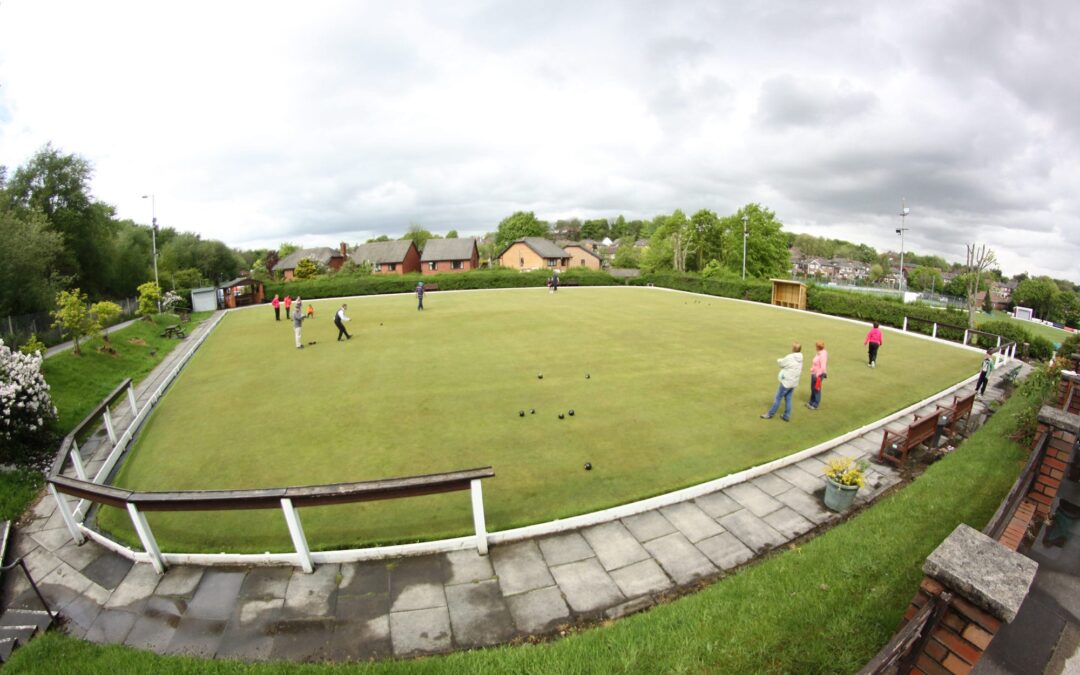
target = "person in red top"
x: 276, y: 304
x: 817, y: 374
x: 873, y: 339
x: 288, y: 305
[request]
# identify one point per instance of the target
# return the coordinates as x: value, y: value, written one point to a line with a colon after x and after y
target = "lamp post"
x: 904, y: 211
x: 745, y: 236
x: 153, y: 242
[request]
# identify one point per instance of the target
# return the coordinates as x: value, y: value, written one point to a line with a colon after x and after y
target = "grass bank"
x: 824, y: 607
x: 17, y: 489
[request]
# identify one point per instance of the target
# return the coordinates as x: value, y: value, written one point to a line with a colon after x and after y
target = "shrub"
x: 149, y: 295
x: 725, y: 287
x: 1039, y: 347
x: 72, y: 316
x: 33, y: 345
x: 27, y: 415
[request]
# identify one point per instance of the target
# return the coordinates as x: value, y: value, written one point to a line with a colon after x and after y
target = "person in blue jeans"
x: 790, y: 372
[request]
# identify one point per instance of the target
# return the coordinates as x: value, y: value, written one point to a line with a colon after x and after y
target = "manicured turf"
x: 1055, y: 335
x: 825, y: 607
x: 677, y: 384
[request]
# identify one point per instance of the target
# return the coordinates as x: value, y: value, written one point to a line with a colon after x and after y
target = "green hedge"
x: 750, y: 289
x: 1038, y: 347
x: 344, y: 285
x: 886, y: 311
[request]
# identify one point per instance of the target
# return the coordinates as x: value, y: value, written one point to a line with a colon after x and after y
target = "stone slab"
x: 614, y: 545
x: 108, y: 570
x: 752, y: 531
x: 565, y: 548
x: 812, y: 465
x: 197, y: 637
x: 80, y: 613
x: 717, y: 504
x: 155, y: 628
x: 520, y: 567
x: 538, y: 611
x: 467, y: 566
x: 788, y: 523
x: 771, y: 484
x: 648, y: 525
x: 753, y: 499
x: 641, y: 578
x: 361, y: 641
x: 586, y: 586
x: 249, y: 635
x: 478, y: 614
x: 807, y: 506
x: 417, y: 583
x: 694, y: 523
x: 54, y: 538
x: 302, y: 639
x: 179, y: 580
x: 138, y: 585
x: 725, y: 551
x: 266, y: 582
x: 982, y: 571
x: 79, y: 556
x: 682, y: 562
x: 63, y: 585
x: 800, y: 479
x: 312, y: 594
x: 216, y: 595
x: 111, y: 626
x: 365, y: 578
x: 420, y: 631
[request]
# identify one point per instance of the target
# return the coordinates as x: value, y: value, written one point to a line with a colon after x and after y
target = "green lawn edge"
x: 826, y: 606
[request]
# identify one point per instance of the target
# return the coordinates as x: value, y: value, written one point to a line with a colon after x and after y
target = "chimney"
x: 344, y: 250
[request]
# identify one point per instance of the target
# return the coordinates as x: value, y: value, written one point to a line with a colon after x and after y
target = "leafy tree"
x: 767, y: 253
x: 518, y: 225
x: 707, y: 237
x: 381, y: 237
x: 877, y: 273
x: 418, y: 235
x: 285, y: 248
x: 306, y: 269
x: 149, y: 298
x: 134, y: 260
x: 188, y: 278
x: 351, y: 267
x: 597, y: 228
x: 452, y: 234
x: 1068, y: 309
x: 626, y: 255
x: 658, y: 255
x: 28, y: 282
x: 925, y: 279
x: 104, y: 314
x: 1039, y: 293
x: 72, y: 316
x: 988, y: 302
x: 958, y: 285
x: 33, y: 345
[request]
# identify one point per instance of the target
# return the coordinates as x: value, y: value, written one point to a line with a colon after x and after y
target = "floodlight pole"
x: 904, y: 211
x: 745, y: 236
x: 153, y: 243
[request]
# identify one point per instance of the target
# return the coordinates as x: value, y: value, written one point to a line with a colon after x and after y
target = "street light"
x: 904, y: 211
x: 153, y: 242
x: 745, y: 236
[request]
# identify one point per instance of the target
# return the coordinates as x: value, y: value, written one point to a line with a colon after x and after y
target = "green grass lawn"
x: 1055, y: 335
x: 825, y: 607
x: 78, y: 383
x: 18, y: 488
x: 677, y: 384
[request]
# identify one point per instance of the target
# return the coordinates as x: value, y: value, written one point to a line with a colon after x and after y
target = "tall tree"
x: 978, y: 261
x: 418, y: 235
x: 518, y: 225
x: 708, y: 237
x: 767, y: 253
x: 1039, y: 293
x: 28, y: 253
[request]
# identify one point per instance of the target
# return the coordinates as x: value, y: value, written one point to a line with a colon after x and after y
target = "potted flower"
x: 843, y: 478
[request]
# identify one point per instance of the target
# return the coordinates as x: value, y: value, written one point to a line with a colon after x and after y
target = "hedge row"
x: 1038, y: 346
x: 750, y: 289
x: 343, y: 285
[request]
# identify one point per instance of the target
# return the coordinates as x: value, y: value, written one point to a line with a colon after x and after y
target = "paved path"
x: 64, y: 346
x: 435, y: 603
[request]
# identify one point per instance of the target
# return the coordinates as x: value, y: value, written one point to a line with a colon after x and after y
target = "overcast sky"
x: 258, y: 123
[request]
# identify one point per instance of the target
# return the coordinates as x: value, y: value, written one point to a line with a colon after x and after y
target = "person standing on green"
x: 790, y: 372
x: 984, y: 373
x: 298, y: 321
x: 420, y: 295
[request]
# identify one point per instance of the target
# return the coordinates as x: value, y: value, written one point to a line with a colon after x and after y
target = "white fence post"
x: 131, y: 400
x: 905, y: 324
x: 76, y: 460
x: 69, y: 520
x: 109, y: 425
x: 478, y: 515
x: 296, y: 530
x: 999, y: 342
x: 966, y: 337
x: 147, y: 538
x: 934, y: 333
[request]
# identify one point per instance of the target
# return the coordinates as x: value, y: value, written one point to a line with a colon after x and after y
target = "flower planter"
x: 839, y: 497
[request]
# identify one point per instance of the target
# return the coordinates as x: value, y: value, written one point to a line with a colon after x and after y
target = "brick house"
x: 323, y: 256
x: 449, y: 255
x: 388, y: 257
x: 583, y: 255
x: 534, y: 253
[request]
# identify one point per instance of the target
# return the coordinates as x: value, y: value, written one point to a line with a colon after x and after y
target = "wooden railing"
x: 1020, y: 489
x: 1004, y: 349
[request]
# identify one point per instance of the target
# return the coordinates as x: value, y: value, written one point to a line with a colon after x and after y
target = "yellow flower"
x: 846, y: 471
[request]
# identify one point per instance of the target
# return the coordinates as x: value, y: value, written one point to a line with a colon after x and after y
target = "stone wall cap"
x: 982, y: 571
x: 1059, y: 419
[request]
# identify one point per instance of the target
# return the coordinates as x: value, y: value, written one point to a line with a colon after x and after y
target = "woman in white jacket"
x: 790, y: 372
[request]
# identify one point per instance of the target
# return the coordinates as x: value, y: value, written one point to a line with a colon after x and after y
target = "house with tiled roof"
x: 449, y: 255
x: 583, y: 255
x: 534, y: 253
x: 388, y: 257
x: 323, y: 256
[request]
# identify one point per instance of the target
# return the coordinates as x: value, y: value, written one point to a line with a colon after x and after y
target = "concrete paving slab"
x: 417, y: 583
x: 62, y: 586
x: 753, y: 499
x: 54, y: 538
x: 179, y: 580
x: 108, y: 570
x: 614, y: 545
x: 137, y: 586
x: 694, y: 523
x: 725, y: 551
x: 249, y: 635
x: 40, y: 562
x: 800, y: 479
x: 216, y: 595
x: 196, y: 637
x: 361, y: 640
x: 468, y: 566
x: 266, y: 582
x: 868, y: 443
x: 808, y: 506
x: 770, y: 484
x: 564, y: 548
x: 80, y: 614
x: 44, y: 507
x: 478, y: 614
x: 788, y: 523
x: 539, y: 610
x: 717, y: 504
x: 111, y: 626
x: 586, y: 586
x: 365, y: 578
x: 812, y: 466
x: 420, y: 631
x: 249, y: 611
x: 520, y: 567
x: 648, y: 525
x: 312, y: 594
x: 79, y: 556
x: 155, y: 628
x: 752, y: 531
x: 302, y: 639
x: 641, y: 578
x: 682, y: 562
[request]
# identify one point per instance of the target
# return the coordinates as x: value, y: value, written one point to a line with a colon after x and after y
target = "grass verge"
x: 826, y: 606
x: 17, y: 489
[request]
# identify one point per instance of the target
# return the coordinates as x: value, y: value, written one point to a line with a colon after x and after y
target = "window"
x: 552, y: 262
x: 377, y: 268
x: 431, y: 265
x: 458, y: 265
x: 583, y: 262
x: 521, y: 262
x: 391, y: 266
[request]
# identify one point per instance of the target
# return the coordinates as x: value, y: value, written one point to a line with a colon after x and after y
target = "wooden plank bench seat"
x: 173, y: 332
x: 959, y: 409
x: 569, y: 282
x: 895, y: 446
x: 431, y: 287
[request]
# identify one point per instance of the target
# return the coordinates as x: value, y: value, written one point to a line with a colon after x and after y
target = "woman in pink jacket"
x: 817, y: 374
x: 873, y: 338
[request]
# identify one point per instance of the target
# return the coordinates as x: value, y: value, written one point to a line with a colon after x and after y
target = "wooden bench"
x: 431, y: 287
x: 569, y: 282
x: 895, y: 446
x: 959, y: 409
x: 174, y: 332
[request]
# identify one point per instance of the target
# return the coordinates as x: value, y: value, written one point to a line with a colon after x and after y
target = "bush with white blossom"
x: 27, y: 415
